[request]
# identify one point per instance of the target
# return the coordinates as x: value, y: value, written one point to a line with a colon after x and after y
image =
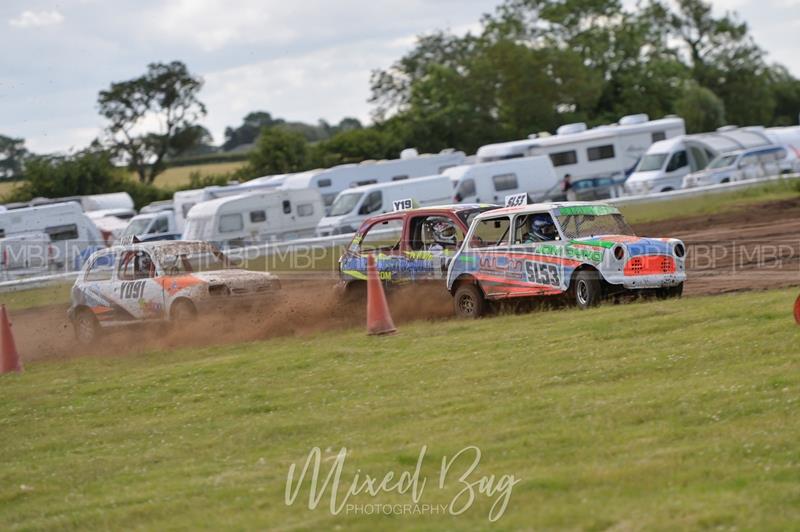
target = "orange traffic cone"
x: 379, y: 321
x: 9, y: 358
x: 797, y: 310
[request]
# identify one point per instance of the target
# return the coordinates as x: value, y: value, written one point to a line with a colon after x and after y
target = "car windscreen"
x: 137, y: 227
x: 467, y: 215
x: 723, y: 161
x: 590, y: 225
x: 345, y: 203
x: 653, y: 161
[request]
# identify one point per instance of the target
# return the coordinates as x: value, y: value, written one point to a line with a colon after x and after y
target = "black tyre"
x: 667, y: 189
x: 87, y: 328
x: 725, y: 180
x: 669, y: 292
x: 354, y: 292
x: 586, y: 289
x: 469, y: 302
x: 183, y: 311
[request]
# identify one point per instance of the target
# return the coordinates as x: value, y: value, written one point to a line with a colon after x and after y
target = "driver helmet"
x: 542, y: 227
x: 145, y: 263
x: 443, y: 232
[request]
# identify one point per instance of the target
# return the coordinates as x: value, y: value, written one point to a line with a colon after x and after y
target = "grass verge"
x: 668, y: 415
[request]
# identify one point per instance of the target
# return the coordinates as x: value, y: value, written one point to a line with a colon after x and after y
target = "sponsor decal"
x: 594, y: 210
x: 570, y: 252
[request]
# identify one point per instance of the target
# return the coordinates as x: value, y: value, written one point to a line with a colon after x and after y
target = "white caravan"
x: 184, y: 200
x: 255, y: 217
x: 667, y: 162
x: 112, y: 200
x: 334, y: 180
x: 69, y: 230
x: 491, y: 182
x: 605, y: 151
x: 355, y: 205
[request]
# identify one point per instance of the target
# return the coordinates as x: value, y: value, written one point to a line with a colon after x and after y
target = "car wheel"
x: 669, y: 292
x: 724, y: 180
x: 86, y: 326
x: 586, y: 289
x: 667, y: 189
x: 354, y: 292
x: 183, y: 311
x: 469, y: 302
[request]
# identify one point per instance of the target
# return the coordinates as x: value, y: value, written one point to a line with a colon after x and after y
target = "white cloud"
x: 37, y: 19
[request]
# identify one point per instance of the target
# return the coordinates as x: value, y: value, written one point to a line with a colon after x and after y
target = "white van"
x: 491, y: 182
x: 356, y: 204
x: 667, y: 162
x: 160, y: 225
x: 610, y: 151
x: 70, y: 231
x: 255, y: 217
x: 334, y: 180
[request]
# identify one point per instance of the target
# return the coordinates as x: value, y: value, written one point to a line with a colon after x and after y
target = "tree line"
x: 533, y: 66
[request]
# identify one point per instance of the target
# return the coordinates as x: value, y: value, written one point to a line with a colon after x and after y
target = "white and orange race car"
x: 159, y: 281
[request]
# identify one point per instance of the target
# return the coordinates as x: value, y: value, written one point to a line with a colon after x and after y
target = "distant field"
x: 7, y: 186
x: 37, y: 297
x: 663, y: 415
x: 179, y: 175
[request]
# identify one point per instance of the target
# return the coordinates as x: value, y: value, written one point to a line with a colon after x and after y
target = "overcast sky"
x: 300, y: 60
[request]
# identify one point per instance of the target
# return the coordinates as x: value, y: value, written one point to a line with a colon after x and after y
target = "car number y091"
x: 132, y: 290
x: 542, y: 273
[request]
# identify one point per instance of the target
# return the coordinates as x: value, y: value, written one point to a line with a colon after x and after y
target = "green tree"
x: 12, y: 157
x: 277, y: 151
x: 355, y: 145
x: 166, y: 94
x: 701, y: 109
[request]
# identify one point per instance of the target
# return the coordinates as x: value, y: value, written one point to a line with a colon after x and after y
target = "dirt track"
x: 754, y: 249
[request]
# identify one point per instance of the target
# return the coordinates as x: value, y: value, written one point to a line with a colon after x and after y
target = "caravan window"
x: 658, y: 135
x: 257, y: 217
x: 601, y: 152
x: 322, y: 183
x: 229, y: 223
x: 678, y: 160
x: 399, y: 177
x: 505, y: 182
x: 62, y: 232
x: 305, y: 209
x: 563, y: 158
x: 372, y: 203
x: 2, y: 233
x: 287, y: 207
x: 362, y: 183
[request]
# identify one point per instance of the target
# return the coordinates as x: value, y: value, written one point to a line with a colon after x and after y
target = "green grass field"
x: 661, y: 415
x: 179, y: 175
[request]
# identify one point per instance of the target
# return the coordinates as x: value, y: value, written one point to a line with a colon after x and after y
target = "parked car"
x: 585, y: 251
x: 159, y: 282
x: 753, y: 163
x: 593, y: 188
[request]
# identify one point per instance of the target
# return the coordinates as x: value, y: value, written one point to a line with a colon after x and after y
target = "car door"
x: 97, y: 289
x: 139, y: 295
x: 433, y: 240
x: 383, y: 240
